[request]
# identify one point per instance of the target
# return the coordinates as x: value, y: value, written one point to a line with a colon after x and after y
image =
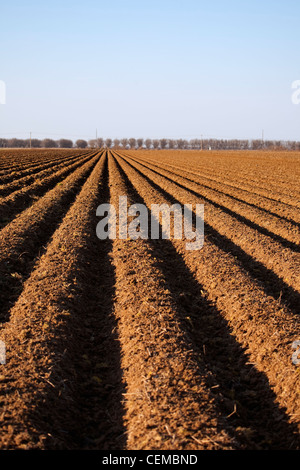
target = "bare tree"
x: 194, y: 144
x: 81, y: 144
x: 16, y: 143
x: 49, y: 143
x: 217, y: 144
x: 180, y: 143
x: 148, y: 143
x: 100, y: 142
x: 163, y: 143
x: 132, y: 143
x: 65, y: 143
x: 256, y: 144
x: 278, y: 144
x: 124, y: 143
x: 92, y: 143
x: 34, y: 143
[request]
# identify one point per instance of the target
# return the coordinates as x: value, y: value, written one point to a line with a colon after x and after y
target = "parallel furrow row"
x: 18, y: 183
x: 272, y: 225
x: 60, y: 336
x: 19, y: 200
x: 260, y: 324
x: 50, y: 157
x: 141, y: 343
x: 264, y: 249
x: 162, y: 376
x: 272, y: 207
x: 257, y: 172
x: 23, y: 239
x: 278, y: 191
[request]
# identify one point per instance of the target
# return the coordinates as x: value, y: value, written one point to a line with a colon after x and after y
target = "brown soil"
x: 142, y: 344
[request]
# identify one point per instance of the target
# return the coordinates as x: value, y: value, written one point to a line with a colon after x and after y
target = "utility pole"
x: 30, y: 141
x: 262, y: 139
x: 201, y: 142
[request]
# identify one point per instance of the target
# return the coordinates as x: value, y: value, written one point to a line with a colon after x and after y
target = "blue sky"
x: 150, y: 68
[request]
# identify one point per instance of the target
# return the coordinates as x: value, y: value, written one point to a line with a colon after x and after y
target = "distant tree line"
x: 133, y: 143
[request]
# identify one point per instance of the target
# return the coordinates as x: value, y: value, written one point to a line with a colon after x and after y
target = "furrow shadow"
x: 235, y: 198
x: 244, y: 220
x: 20, y: 200
x: 90, y: 366
x: 242, y: 393
x: 269, y: 281
x: 14, y: 272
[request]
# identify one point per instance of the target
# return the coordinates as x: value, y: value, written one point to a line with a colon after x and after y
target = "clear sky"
x: 164, y: 68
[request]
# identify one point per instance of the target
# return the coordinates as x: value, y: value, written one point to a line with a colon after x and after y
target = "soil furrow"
x: 13, y: 158
x: 270, y: 282
x: 31, y: 163
x: 221, y: 174
x: 168, y: 404
x: 228, y: 370
x: 14, y: 175
x: 19, y: 200
x: 261, y: 325
x: 141, y: 342
x: 273, y: 208
x: 284, y: 232
x: 23, y: 239
x: 61, y: 336
x: 282, y: 261
x: 257, y: 171
x: 19, y: 183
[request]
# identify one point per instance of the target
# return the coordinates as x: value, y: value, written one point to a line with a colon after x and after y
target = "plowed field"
x: 142, y: 344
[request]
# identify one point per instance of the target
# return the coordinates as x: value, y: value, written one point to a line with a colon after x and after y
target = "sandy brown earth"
x: 142, y: 344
